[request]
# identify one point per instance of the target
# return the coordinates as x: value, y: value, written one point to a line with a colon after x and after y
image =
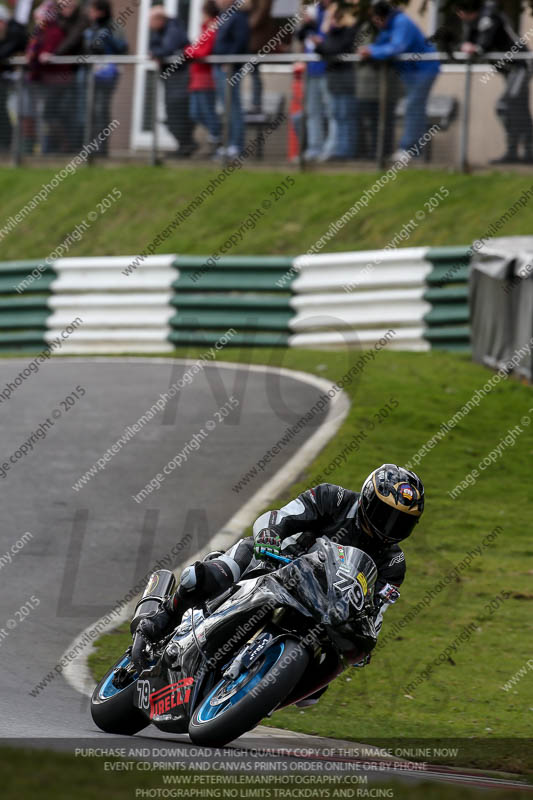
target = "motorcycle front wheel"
x: 112, y: 708
x: 233, y: 707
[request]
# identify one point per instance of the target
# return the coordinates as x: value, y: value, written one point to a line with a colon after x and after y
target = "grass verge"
x: 152, y: 196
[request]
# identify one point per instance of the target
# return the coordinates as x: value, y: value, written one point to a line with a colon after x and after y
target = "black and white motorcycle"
x: 271, y: 640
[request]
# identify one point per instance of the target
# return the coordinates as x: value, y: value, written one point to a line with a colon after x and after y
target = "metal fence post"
x: 16, y: 141
x: 465, y: 121
x: 382, y: 118
x: 303, y: 123
x: 228, y: 99
x: 154, y: 150
x: 89, y: 110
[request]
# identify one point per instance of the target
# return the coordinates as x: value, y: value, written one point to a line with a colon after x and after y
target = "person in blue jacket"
x: 398, y: 34
x: 232, y: 38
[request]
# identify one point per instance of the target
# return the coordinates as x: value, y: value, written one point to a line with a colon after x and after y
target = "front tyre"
x: 112, y: 708
x: 233, y: 707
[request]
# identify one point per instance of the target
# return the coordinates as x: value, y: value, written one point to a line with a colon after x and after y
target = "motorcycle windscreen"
x: 351, y: 575
x: 355, y: 562
x: 334, y: 582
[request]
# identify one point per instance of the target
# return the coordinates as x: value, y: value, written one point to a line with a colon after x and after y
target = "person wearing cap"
x: 397, y: 35
x: 487, y: 28
x: 12, y: 41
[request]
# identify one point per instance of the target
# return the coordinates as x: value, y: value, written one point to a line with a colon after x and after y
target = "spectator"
x: 202, y: 101
x: 12, y: 41
x: 100, y: 38
x: 73, y: 19
x: 487, y: 28
x: 262, y: 28
x: 367, y: 93
x: 45, y: 112
x: 267, y: 34
x: 232, y: 39
x: 318, y: 103
x: 340, y: 28
x: 169, y: 38
x: 398, y: 34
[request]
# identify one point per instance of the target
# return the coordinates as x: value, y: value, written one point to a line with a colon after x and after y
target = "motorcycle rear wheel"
x: 233, y: 707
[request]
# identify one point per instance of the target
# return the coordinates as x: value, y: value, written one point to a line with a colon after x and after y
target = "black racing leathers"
x: 326, y: 510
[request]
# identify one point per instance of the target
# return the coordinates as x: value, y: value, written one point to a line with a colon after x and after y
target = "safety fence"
x: 138, y: 115
x: 131, y: 304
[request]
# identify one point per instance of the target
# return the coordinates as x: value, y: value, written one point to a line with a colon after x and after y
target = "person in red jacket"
x: 202, y: 98
x: 47, y: 82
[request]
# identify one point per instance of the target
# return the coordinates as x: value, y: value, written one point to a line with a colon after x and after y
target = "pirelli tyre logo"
x: 163, y: 700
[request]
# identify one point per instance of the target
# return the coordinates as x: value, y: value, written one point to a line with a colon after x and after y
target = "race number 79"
x: 347, y: 583
x: 143, y: 692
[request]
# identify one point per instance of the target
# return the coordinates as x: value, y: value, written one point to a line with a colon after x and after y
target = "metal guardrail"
x: 281, y: 58
x: 457, y: 60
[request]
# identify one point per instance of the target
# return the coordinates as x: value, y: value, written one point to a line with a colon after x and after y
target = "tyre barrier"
x: 135, y: 304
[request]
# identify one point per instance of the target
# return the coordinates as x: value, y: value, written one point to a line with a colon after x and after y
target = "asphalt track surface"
x: 90, y: 547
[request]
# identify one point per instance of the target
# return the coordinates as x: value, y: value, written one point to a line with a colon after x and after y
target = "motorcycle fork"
x: 276, y: 616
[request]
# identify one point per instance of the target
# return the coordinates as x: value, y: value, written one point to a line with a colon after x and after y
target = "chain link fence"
x: 272, y: 111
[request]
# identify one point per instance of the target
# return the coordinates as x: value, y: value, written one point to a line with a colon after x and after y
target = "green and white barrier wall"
x: 23, y: 317
x: 125, y: 304
x: 249, y: 293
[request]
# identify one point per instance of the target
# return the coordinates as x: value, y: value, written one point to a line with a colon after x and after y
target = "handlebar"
x: 283, y: 559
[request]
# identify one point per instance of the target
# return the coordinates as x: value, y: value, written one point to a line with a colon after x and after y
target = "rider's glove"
x: 363, y: 662
x: 265, y: 542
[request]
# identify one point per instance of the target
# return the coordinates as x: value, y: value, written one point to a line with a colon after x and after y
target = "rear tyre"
x: 112, y: 708
x: 234, y: 707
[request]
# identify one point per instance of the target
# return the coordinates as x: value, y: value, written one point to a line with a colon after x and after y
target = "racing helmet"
x: 391, y: 503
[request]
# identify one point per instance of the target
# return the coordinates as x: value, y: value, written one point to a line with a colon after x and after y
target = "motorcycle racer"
x: 375, y: 520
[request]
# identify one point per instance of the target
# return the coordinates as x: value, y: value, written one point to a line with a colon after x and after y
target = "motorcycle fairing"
x: 335, y: 584
x: 319, y: 585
